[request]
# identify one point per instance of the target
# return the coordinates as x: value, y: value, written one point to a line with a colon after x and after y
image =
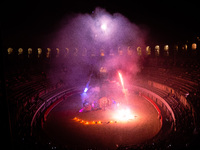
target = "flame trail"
x: 121, y: 79
x: 87, y: 85
x: 123, y: 89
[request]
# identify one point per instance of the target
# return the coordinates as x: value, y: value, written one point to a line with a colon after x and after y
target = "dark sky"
x: 30, y: 23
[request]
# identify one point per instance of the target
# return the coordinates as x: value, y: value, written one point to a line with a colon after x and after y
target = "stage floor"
x: 63, y: 130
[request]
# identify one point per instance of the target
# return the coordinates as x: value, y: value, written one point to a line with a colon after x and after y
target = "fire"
x: 99, y: 122
x: 86, y: 122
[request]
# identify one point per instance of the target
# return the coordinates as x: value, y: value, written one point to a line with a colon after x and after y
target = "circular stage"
x: 102, y: 129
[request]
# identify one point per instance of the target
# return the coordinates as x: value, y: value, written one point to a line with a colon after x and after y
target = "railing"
x: 68, y: 92
x: 55, y: 97
x: 51, y: 100
x: 157, y: 98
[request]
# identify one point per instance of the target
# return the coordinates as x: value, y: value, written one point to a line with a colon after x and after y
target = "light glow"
x: 94, y: 122
x: 194, y: 46
x: 104, y: 26
x: 124, y: 115
x: 75, y: 118
x: 99, y: 122
x: 85, y: 90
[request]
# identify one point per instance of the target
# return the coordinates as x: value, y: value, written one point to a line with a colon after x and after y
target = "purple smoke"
x: 96, y: 31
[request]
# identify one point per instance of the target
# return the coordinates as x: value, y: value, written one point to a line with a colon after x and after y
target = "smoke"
x: 96, y: 31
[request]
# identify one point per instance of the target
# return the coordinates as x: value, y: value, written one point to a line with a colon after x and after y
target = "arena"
x: 46, y: 109
x: 100, y: 129
x: 97, y: 80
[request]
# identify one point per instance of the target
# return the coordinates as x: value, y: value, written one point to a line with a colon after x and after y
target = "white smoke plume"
x: 97, y: 30
x: 101, y: 30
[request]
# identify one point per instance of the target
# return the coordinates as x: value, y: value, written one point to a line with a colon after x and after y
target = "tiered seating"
x: 24, y: 96
x: 184, y: 79
x: 26, y: 92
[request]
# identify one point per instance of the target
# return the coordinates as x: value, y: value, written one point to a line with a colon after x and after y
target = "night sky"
x: 32, y: 23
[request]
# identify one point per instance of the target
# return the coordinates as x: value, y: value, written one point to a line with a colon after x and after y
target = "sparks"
x: 121, y: 79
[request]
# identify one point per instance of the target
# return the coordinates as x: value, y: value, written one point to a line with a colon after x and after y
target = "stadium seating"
x: 176, y: 81
x: 184, y: 80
